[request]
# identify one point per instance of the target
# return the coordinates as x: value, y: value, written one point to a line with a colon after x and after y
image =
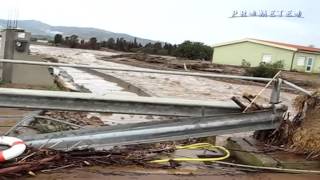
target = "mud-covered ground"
x: 134, y: 173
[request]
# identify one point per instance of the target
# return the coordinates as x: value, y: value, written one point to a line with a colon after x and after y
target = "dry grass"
x: 306, y: 137
x: 302, y: 134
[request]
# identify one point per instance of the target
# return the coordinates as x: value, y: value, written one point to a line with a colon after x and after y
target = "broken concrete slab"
x: 243, y: 151
x: 248, y: 151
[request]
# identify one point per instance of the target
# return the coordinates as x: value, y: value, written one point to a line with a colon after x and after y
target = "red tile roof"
x: 300, y: 48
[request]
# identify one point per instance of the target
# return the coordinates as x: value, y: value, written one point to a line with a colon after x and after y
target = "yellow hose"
x: 205, y: 146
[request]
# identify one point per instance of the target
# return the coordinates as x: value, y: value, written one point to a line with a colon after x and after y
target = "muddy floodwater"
x: 101, y: 86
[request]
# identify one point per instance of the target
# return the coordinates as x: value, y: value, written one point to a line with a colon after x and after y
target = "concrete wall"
x: 233, y: 54
x: 7, y: 44
x: 21, y: 74
x: 31, y: 74
x: 7, y: 52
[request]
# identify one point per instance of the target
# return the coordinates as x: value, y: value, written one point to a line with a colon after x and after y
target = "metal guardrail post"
x: 276, y: 90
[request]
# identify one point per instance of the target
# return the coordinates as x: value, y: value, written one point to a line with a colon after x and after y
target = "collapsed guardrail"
x: 73, y: 101
x: 209, y: 118
x: 150, y: 132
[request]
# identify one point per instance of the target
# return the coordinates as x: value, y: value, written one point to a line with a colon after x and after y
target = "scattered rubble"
x: 306, y: 136
x: 300, y: 134
x: 47, y: 160
x: 163, y: 62
x: 173, y: 63
x: 79, y: 118
x: 44, y: 125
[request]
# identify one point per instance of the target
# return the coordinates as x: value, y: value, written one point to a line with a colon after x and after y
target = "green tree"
x: 194, y: 50
x: 157, y: 45
x: 74, y: 41
x: 93, y: 43
x: 111, y: 43
x: 122, y: 45
x: 169, y: 48
x: 58, y: 39
x: 135, y: 43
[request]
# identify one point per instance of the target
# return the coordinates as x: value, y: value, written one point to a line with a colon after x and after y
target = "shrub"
x: 267, y: 70
x: 245, y: 63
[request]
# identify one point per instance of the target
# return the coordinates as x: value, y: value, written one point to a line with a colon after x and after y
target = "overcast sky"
x: 178, y: 20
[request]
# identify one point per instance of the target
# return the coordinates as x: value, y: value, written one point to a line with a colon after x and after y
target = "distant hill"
x: 40, y: 29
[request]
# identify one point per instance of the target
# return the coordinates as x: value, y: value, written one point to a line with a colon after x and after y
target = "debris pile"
x: 47, y: 160
x: 281, y: 137
x: 164, y: 62
x: 45, y: 123
x: 79, y: 118
x: 301, y: 134
x: 306, y: 136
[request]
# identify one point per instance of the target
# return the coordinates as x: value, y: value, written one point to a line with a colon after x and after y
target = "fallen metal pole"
x: 261, y: 91
x: 136, y: 70
x: 149, y: 132
x: 74, y: 101
x: 297, y: 87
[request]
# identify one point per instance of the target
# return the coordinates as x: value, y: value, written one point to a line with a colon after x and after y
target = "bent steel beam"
x: 106, y: 137
x: 73, y: 101
x: 309, y: 93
